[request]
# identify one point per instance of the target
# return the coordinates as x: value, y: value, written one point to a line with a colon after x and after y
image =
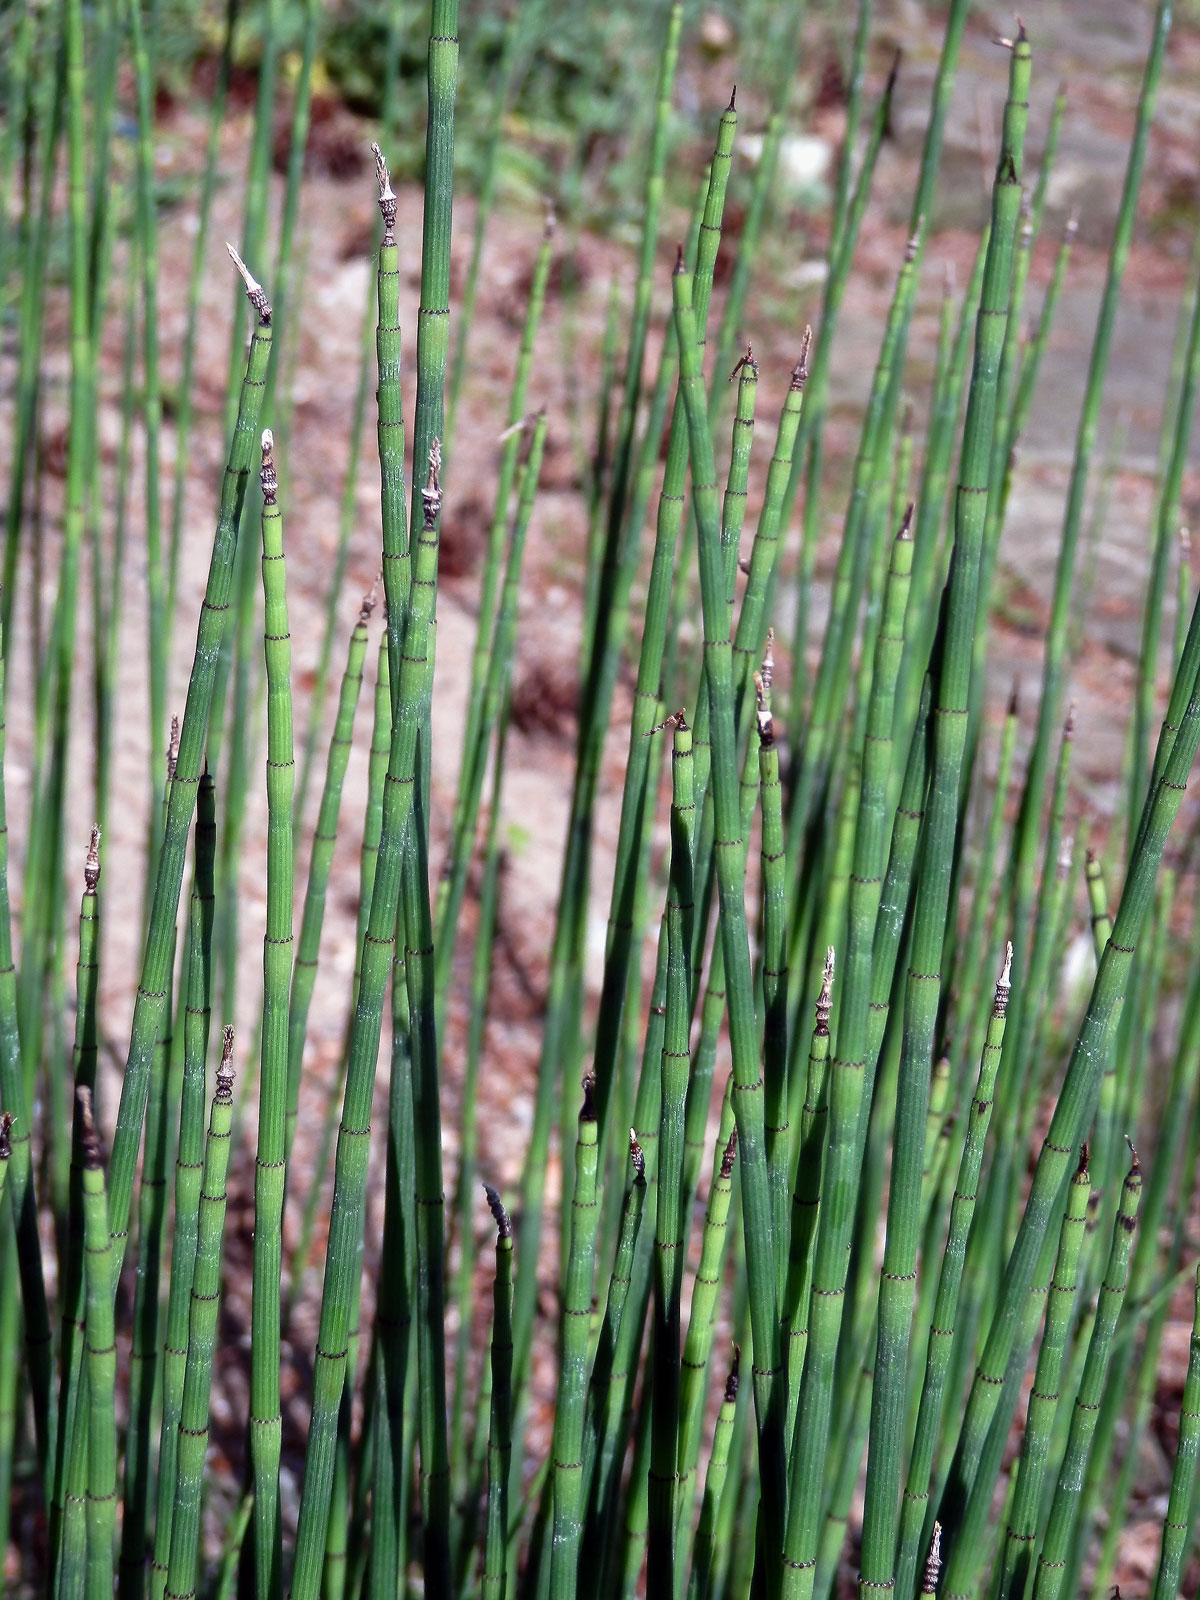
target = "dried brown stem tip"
x: 496, y: 1207
x: 800, y: 370
x: 746, y: 361
x: 387, y: 198
x: 1004, y: 983
x: 1014, y: 698
x: 224, y: 1091
x: 679, y: 266
x: 91, y: 867
x: 1085, y: 1159
x: 825, y: 998
x: 431, y: 494
x: 933, y: 1562
x: 6, y: 1122
x: 268, y: 475
x: 731, y: 1382
x: 90, y: 1138
x: 1136, y: 1164
x: 587, y: 1111
x: 255, y: 292
x: 638, y: 1156
x: 729, y: 1157
x: 905, y: 531
x: 369, y: 602
x: 766, y: 723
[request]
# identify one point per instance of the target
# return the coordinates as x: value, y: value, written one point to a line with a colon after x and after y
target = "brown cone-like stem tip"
x: 731, y: 1382
x: 224, y: 1090
x: 387, y: 198
x: 825, y: 998
x: 587, y: 1111
x: 6, y: 1122
x: 91, y: 867
x: 1003, y: 983
x: 255, y: 292
x: 267, y: 473
x: 495, y: 1206
x: 1085, y: 1159
x: 90, y: 1137
x: 638, y: 1156
x: 933, y: 1562
x: 431, y: 494
x: 800, y: 370
x: 729, y: 1157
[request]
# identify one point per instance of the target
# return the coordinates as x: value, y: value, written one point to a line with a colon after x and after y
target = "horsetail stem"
x: 202, y: 1326
x: 270, y: 1167
x: 499, y: 1428
x: 154, y: 985
x: 1181, y: 1503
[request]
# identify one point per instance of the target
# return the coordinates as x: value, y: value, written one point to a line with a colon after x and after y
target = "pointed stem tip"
x: 933, y: 1562
x: 91, y: 867
x: 224, y: 1091
x: 387, y: 197
x: 496, y: 1207
x: 800, y: 370
x: 267, y: 473
x: 825, y: 998
x: 729, y: 1157
x: 255, y: 292
x: 638, y: 1156
x: 731, y: 1382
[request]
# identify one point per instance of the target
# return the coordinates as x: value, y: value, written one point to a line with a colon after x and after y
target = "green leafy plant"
x: 824, y: 1271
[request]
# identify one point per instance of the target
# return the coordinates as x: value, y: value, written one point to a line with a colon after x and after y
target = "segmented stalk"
x: 189, y: 1170
x: 304, y: 974
x: 700, y: 1583
x: 1024, y: 1512
x: 1091, y: 1390
x: 500, y: 1423
x: 930, y: 914
x: 350, y: 1173
x: 570, y: 1402
x: 150, y: 1005
x: 706, y: 1289
x: 670, y: 1234
x: 729, y: 852
x: 1173, y: 762
x: 1181, y: 1502
x: 270, y: 1166
x: 942, y: 1329
x: 202, y: 1330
